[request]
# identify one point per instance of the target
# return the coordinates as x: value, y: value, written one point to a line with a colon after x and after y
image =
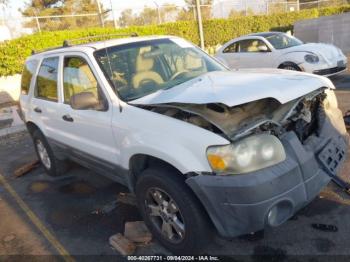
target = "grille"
x: 329, y: 71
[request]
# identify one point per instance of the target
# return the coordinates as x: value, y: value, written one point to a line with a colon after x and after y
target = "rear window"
x: 46, y: 83
x: 27, y: 75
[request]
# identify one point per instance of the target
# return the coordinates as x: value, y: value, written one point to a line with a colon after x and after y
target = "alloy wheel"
x: 165, y: 215
x: 43, y: 155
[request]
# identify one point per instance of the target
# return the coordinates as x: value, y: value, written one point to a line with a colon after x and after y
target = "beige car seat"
x: 144, y: 72
x: 254, y: 46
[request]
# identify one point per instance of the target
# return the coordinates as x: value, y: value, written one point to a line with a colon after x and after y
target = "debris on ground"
x: 325, y: 227
x: 107, y: 208
x: 123, y: 245
x: 137, y: 232
x: 127, y: 198
x: 124, y: 198
x: 26, y: 168
x: 9, y: 238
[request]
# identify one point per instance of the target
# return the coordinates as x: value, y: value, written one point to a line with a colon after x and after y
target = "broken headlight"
x: 247, y: 155
x: 331, y: 100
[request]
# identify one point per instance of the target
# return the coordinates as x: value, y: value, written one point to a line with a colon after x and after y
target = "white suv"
x: 203, y: 148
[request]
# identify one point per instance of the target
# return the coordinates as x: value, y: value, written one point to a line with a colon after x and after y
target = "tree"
x: 189, y: 12
x: 63, y: 7
x: 126, y: 18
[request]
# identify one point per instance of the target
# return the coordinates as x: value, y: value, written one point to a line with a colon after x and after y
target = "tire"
x: 197, y: 230
x: 290, y: 66
x: 53, y: 166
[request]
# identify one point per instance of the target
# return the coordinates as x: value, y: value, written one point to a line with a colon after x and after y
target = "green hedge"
x: 216, y: 31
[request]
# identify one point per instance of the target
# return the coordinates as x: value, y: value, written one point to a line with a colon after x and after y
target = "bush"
x: 216, y: 31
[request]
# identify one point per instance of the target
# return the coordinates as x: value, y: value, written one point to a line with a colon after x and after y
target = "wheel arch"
x: 32, y: 127
x: 289, y: 63
x: 139, y: 162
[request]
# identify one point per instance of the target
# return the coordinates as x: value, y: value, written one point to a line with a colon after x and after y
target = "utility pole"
x: 113, y: 15
x: 158, y: 11
x: 298, y: 5
x: 200, y: 23
x: 100, y: 13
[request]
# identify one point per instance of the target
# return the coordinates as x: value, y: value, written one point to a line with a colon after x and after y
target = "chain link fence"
x: 154, y: 13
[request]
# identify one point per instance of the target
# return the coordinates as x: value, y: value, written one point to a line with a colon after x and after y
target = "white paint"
x: 329, y: 56
x: 239, y: 87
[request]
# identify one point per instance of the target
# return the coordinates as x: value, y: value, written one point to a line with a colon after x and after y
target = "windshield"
x: 141, y: 68
x: 281, y: 41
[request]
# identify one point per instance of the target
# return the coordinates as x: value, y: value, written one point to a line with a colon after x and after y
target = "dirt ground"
x: 41, y: 215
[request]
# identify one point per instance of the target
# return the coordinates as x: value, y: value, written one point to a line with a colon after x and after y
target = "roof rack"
x: 68, y: 43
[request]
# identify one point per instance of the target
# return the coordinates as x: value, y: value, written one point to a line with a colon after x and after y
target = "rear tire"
x: 162, y: 192
x: 53, y: 166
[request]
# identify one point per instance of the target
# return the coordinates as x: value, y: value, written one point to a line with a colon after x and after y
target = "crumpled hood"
x: 233, y: 88
x: 327, y: 51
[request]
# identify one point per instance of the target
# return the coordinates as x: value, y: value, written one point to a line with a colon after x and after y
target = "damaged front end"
x: 309, y: 139
x: 302, y: 115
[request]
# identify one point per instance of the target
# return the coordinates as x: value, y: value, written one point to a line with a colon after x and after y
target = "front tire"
x: 171, y: 211
x: 290, y: 66
x: 52, y: 165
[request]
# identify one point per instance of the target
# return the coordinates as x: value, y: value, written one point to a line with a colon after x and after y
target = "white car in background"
x: 279, y: 50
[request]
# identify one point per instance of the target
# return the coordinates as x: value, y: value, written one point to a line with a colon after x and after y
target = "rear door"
x: 45, y: 106
x: 87, y: 131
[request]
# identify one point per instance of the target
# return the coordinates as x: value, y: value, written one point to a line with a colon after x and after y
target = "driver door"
x: 87, y: 131
x: 254, y: 53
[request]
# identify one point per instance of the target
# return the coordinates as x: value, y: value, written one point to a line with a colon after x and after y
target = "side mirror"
x: 84, y: 101
x: 263, y: 48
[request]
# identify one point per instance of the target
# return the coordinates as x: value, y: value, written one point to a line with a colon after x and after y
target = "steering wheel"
x: 176, y: 75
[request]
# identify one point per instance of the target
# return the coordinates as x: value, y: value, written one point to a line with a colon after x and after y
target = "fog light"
x: 272, y: 216
x: 279, y: 213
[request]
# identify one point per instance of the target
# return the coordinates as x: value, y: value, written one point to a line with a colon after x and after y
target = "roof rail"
x: 67, y: 43
x: 46, y: 49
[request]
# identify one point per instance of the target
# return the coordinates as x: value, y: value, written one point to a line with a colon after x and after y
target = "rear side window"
x: 232, y: 48
x: 46, y: 82
x: 27, y: 75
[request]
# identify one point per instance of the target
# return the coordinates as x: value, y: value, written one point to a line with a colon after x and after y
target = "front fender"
x: 296, y: 57
x: 183, y: 145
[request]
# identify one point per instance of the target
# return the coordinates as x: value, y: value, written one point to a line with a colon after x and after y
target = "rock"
x: 123, y: 245
x: 127, y: 198
x: 9, y: 238
x: 137, y: 232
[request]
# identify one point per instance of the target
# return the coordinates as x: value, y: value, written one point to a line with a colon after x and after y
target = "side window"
x: 46, y: 82
x: 232, y: 48
x: 27, y: 74
x: 251, y: 45
x: 79, y: 81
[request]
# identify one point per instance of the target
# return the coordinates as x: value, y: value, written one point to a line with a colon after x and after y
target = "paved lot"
x: 67, y: 221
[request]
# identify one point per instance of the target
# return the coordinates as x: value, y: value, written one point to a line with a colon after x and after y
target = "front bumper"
x: 326, y: 68
x: 330, y: 71
x: 240, y: 204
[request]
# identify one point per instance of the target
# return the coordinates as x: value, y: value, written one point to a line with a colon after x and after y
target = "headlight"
x: 247, y: 155
x: 331, y: 100
x: 312, y: 59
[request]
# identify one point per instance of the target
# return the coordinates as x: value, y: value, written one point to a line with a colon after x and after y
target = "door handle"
x: 67, y: 118
x: 37, y: 109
